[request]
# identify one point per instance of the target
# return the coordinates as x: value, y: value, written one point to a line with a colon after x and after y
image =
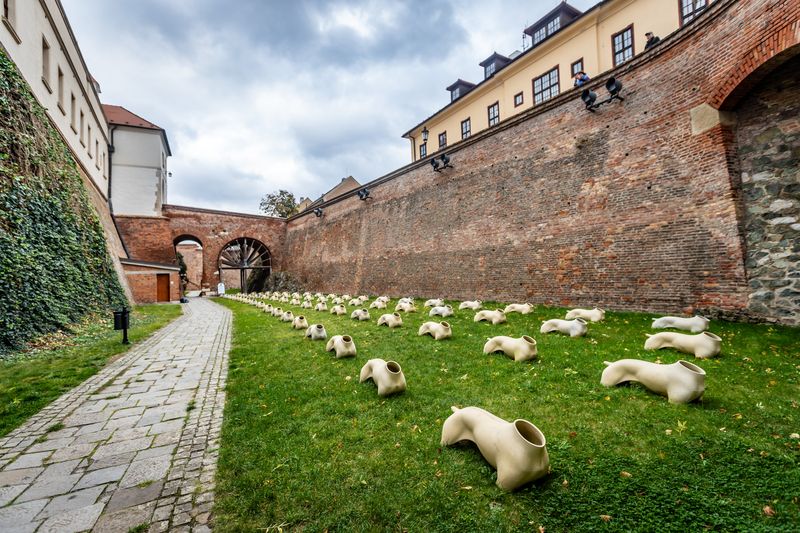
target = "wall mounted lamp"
x: 318, y: 212
x: 363, y: 194
x: 425, y: 134
x: 613, y: 86
x: 441, y: 163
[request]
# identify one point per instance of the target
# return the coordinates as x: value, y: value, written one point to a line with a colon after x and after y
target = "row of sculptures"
x: 517, y: 449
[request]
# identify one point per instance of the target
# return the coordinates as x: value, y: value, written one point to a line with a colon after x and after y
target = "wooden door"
x: 162, y: 285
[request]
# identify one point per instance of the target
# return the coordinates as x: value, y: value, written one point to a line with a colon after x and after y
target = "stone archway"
x: 241, y: 261
x: 191, y: 251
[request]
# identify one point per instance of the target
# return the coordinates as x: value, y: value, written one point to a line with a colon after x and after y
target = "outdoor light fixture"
x: 443, y: 161
x: 363, y: 194
x: 613, y: 86
x: 425, y: 134
x: 318, y: 212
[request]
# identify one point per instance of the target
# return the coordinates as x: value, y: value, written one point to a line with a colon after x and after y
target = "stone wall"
x: 632, y: 207
x: 768, y: 141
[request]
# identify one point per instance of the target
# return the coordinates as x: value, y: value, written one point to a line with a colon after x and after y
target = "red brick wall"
x: 151, y: 238
x: 143, y: 283
x: 624, y: 208
x: 193, y: 258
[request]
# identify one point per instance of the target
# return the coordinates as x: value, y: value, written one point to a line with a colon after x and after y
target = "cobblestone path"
x: 135, y: 444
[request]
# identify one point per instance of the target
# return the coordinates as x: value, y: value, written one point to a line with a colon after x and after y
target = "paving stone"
x: 20, y: 476
x: 162, y: 513
x: 29, y: 527
x: 73, y: 521
x: 129, y: 497
x: 28, y: 460
x: 146, y: 470
x: 125, y: 519
x: 89, y: 428
x: 8, y: 493
x: 20, y: 513
x: 51, y: 444
x: 72, y: 452
x: 155, y: 452
x: 128, y: 411
x: 50, y: 487
x: 102, y: 476
x: 113, y: 460
x: 129, y: 434
x: 75, y: 499
x: 96, y: 436
x: 86, y: 419
x: 58, y: 470
x: 126, y: 422
x: 167, y: 427
x: 116, y: 448
x: 159, y: 527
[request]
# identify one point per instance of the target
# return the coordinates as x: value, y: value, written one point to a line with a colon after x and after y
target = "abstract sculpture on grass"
x: 521, y: 349
x: 387, y: 375
x: 680, y: 382
x: 702, y: 346
x: 437, y: 330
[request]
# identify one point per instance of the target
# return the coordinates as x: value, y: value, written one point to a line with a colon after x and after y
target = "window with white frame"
x: 622, y: 45
x: 60, y: 90
x: 72, y: 112
x: 466, y: 128
x: 539, y: 35
x: 576, y: 67
x: 545, y: 86
x: 442, y: 140
x: 488, y: 70
x: 46, y: 63
x: 423, y: 150
x: 690, y: 9
x: 518, y: 99
x: 83, y: 129
x: 553, y: 26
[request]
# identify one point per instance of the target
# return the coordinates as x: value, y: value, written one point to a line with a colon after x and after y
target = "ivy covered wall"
x: 54, y: 264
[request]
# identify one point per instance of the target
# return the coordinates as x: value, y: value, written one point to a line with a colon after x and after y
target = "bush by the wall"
x: 54, y: 264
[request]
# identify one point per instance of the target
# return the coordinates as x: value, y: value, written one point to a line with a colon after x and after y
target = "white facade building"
x: 138, y: 163
x: 37, y: 37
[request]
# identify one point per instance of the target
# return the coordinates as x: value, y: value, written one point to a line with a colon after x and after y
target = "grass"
x: 31, y: 379
x: 305, y: 447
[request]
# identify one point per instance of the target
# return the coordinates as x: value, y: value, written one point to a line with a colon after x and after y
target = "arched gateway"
x: 249, y: 257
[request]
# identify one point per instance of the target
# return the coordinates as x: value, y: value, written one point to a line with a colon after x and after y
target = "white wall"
x: 22, y: 35
x: 138, y: 171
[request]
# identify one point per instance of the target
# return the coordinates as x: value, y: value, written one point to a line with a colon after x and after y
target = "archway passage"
x: 248, y: 258
x: 189, y: 251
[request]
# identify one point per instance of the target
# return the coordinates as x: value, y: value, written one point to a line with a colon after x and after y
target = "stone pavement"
x: 135, y: 444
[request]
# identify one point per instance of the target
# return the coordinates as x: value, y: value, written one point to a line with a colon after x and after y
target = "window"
x: 545, y: 86
x: 105, y: 174
x: 61, y: 91
x: 466, y: 128
x: 455, y: 93
x: 488, y: 70
x: 7, y: 9
x: 442, y: 140
x: 97, y: 154
x: 89, y: 141
x: 690, y: 9
x: 46, y: 64
x: 494, y: 114
x: 72, y: 106
x: 539, y: 35
x: 622, y: 45
x: 83, y: 128
x: 517, y: 99
x: 423, y: 150
x: 576, y: 67
x: 553, y: 26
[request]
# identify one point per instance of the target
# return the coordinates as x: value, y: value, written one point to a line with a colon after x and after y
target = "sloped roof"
x: 116, y: 115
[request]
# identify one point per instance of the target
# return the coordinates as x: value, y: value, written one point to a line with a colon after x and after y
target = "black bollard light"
x: 122, y: 322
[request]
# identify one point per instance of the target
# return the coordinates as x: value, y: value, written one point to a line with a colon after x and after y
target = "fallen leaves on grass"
x: 769, y: 511
x: 605, y: 517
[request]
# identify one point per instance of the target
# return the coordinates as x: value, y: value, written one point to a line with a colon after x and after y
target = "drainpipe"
x: 110, y: 202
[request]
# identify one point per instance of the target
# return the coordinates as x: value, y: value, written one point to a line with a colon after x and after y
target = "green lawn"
x: 305, y: 447
x: 30, y: 380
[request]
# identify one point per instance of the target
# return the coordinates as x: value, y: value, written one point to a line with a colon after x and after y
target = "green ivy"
x: 54, y: 264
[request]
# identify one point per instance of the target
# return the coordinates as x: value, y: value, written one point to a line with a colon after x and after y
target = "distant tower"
x: 138, y: 163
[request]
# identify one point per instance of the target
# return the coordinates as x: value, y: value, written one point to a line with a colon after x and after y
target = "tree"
x: 278, y: 204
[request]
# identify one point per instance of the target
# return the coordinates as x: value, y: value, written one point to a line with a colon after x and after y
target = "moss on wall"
x: 54, y: 264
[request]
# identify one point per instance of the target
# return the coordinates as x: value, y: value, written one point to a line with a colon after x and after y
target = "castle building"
x: 563, y: 42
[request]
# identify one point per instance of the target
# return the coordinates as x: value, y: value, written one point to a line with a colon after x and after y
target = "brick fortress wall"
x: 626, y: 208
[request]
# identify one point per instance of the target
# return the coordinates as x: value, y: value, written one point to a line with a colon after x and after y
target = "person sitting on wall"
x: 652, y: 40
x: 580, y: 78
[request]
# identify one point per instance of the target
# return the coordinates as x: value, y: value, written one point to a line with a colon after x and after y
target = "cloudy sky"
x: 261, y: 95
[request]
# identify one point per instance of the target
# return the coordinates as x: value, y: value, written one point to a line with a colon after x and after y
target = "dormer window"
x: 553, y: 26
x: 493, y: 63
x: 459, y: 89
x: 455, y: 93
x: 552, y: 22
x: 489, y: 69
x: 539, y: 35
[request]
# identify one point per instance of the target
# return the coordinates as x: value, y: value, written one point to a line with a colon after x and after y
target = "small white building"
x: 138, y: 163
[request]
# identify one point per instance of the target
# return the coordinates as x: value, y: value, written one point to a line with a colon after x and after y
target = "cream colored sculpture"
x: 518, y: 449
x: 277, y: 311
x: 442, y: 311
x: 378, y: 304
x: 287, y: 316
x: 338, y: 310
x: 268, y: 309
x: 284, y: 299
x: 407, y: 307
x: 343, y: 345
x: 295, y: 301
x: 437, y: 330
x: 495, y: 317
x: 521, y: 349
x: 393, y: 320
x: 523, y: 309
x: 316, y: 332
x: 387, y: 375
x: 345, y: 297
x: 336, y: 301
x: 307, y: 305
x: 695, y: 324
x: 434, y: 302
x: 322, y: 306
x: 405, y: 300
x: 471, y: 304
x: 364, y: 299
x: 360, y: 314
x: 300, y: 322
x: 384, y: 299
x: 354, y: 302
x: 573, y: 328
x: 680, y: 382
x: 593, y: 315
x: 702, y: 346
